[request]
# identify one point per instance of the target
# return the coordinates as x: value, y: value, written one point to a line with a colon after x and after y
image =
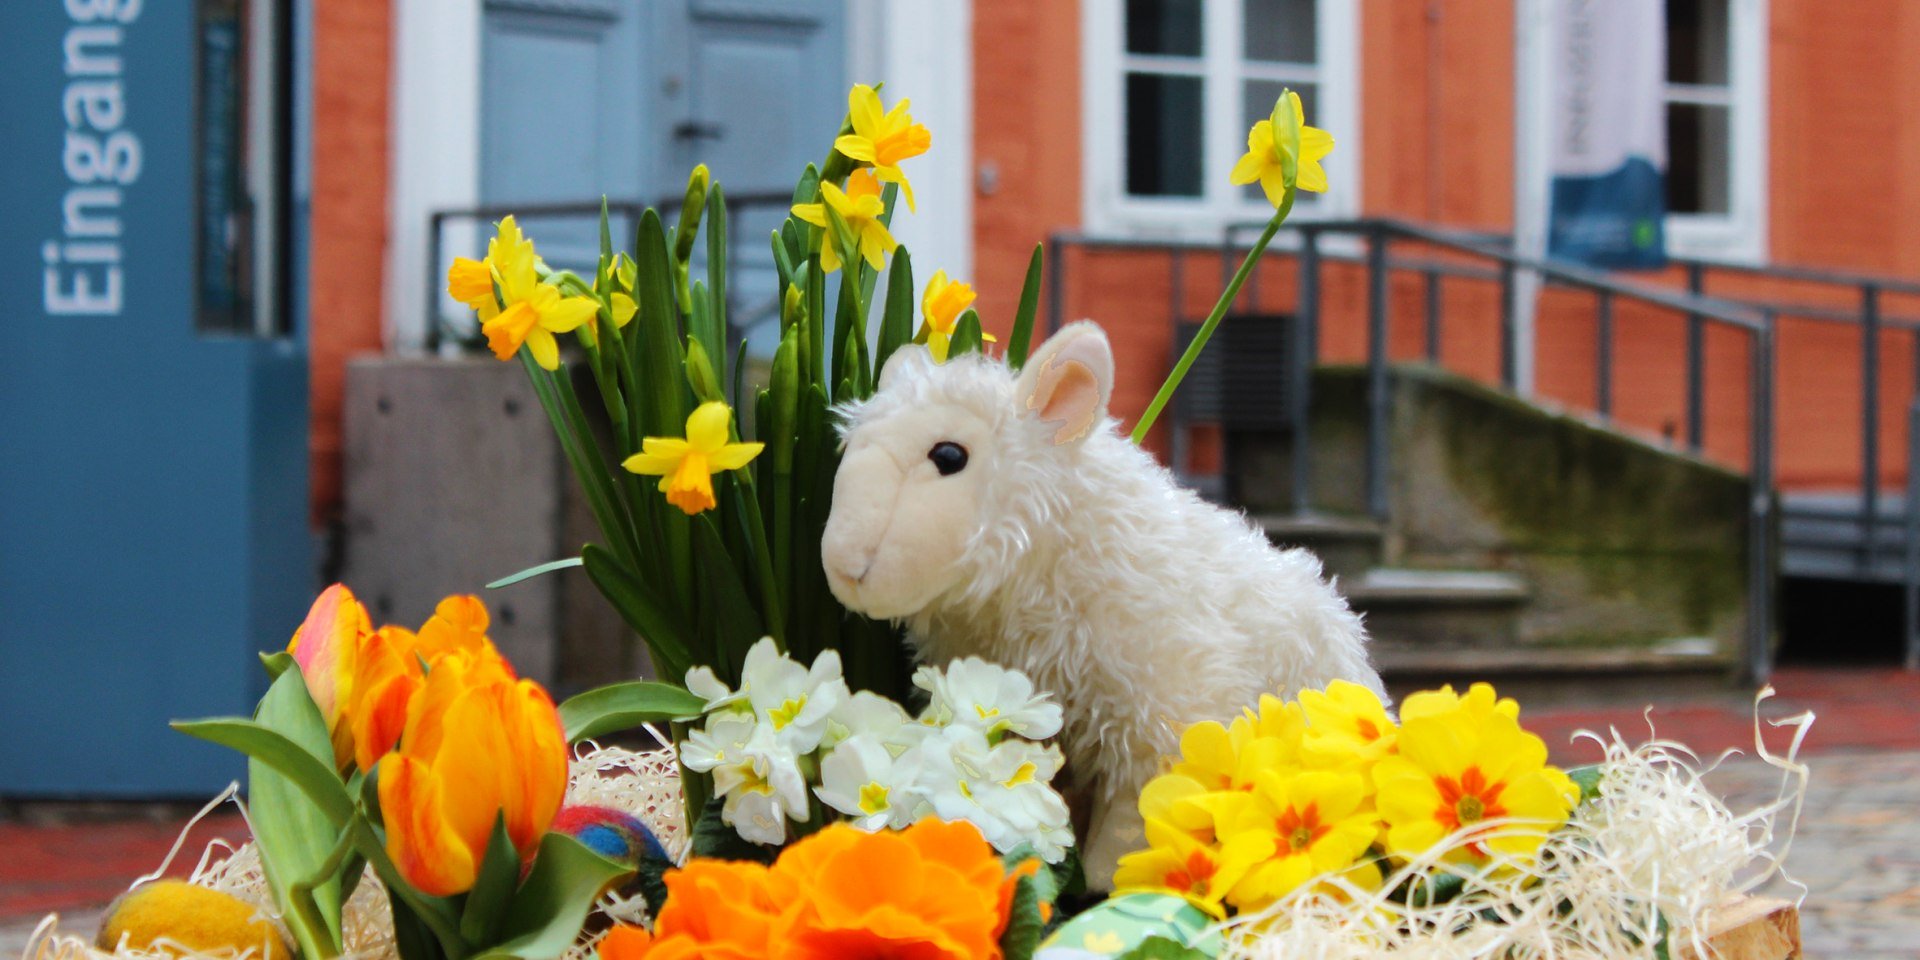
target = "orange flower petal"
x: 427, y: 852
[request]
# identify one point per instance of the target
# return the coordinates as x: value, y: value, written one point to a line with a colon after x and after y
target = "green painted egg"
x: 1118, y: 925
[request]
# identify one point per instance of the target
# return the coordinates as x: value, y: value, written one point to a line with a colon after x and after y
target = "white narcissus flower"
x: 790, y: 698
x: 721, y: 741
x: 1018, y: 788
x: 859, y: 779
x: 702, y: 682
x: 989, y: 697
x: 763, y: 792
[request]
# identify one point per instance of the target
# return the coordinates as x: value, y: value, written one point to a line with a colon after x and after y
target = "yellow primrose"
x: 1317, y: 822
x: 860, y: 206
x: 1284, y: 153
x: 1346, y: 724
x: 686, y: 467
x: 1202, y: 873
x: 1468, y: 769
x: 882, y: 138
x: 942, y: 304
x: 1479, y: 701
x: 1181, y: 802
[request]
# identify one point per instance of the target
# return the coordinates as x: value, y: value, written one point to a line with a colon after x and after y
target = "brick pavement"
x: 1859, y: 847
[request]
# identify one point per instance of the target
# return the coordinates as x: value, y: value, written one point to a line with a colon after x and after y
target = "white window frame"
x: 1741, y: 232
x: 1108, y: 210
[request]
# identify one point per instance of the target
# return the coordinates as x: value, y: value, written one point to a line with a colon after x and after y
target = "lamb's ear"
x: 1068, y: 383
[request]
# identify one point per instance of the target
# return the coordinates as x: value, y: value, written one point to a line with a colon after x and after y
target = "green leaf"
x: 1024, y: 922
x: 1588, y: 778
x: 298, y: 804
x: 413, y: 939
x: 534, y: 571
x: 546, y: 914
x: 896, y: 318
x: 717, y: 268
x: 276, y: 663
x: 624, y: 706
x: 1022, y: 337
x: 650, y: 615
x: 1164, y: 948
x: 486, y: 902
x: 737, y: 622
x: 966, y: 335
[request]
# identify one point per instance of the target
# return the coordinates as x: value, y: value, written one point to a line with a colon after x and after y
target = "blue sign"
x: 1608, y: 200
x: 153, y: 480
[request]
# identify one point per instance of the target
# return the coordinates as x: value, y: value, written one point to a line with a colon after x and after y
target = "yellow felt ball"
x: 189, y: 918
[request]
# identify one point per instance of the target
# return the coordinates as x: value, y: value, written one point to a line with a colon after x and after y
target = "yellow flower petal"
x: 733, y: 456
x: 855, y: 147
x: 568, y: 313
x: 651, y: 466
x: 814, y: 213
x: 623, y: 308
x: 707, y: 427
x: 546, y: 351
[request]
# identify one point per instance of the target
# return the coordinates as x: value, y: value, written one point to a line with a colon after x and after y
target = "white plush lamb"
x: 1005, y: 516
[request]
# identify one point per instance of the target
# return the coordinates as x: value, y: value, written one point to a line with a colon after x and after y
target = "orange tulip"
x: 327, y: 646
x: 478, y: 745
x: 386, y: 675
x: 458, y: 623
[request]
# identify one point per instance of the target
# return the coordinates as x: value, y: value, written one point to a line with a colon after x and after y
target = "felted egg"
x: 196, y: 918
x: 1119, y: 924
x: 609, y: 832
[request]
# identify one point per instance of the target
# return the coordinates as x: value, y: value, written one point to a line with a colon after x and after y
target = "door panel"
x: 561, y: 115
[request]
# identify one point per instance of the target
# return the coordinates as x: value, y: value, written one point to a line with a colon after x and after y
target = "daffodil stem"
x: 1205, y: 333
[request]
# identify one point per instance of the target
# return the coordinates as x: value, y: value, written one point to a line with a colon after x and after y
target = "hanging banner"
x: 1608, y: 199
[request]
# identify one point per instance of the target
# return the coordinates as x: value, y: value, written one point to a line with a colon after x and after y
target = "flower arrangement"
x: 413, y: 775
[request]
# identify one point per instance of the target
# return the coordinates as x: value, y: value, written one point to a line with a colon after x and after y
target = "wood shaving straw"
x: 643, y: 783
x: 1656, y: 844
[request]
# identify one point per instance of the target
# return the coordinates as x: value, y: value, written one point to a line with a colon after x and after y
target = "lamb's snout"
x: 864, y: 491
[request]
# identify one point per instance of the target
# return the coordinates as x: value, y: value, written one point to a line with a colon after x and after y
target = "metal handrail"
x: 1378, y: 237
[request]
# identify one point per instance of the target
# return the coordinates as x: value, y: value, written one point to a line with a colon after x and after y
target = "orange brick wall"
x: 1437, y: 110
x: 351, y: 51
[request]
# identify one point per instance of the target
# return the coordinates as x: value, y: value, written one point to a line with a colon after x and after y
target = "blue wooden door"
x: 622, y: 97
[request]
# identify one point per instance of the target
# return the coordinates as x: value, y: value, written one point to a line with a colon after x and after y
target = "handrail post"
x: 434, y: 221
x: 1757, y: 663
x: 1378, y: 388
x: 1696, y: 360
x: 1056, y: 283
x: 1509, y: 350
x: 1299, y: 411
x: 1869, y: 422
x: 1433, y: 317
x: 1911, y: 512
x: 1603, y: 369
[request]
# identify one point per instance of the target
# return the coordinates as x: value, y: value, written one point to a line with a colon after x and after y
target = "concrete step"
x: 1544, y: 676
x: 1423, y: 610
x: 1347, y: 546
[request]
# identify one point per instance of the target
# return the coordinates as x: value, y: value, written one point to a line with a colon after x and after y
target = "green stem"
x: 1213, y: 320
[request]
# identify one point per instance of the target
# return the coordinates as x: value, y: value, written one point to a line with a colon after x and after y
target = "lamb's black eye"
x: 948, y: 457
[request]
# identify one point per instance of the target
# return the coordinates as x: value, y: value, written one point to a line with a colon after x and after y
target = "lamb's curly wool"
x: 1082, y: 562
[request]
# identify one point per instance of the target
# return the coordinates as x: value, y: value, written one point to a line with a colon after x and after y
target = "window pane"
x: 1168, y: 27
x: 1697, y: 41
x: 1281, y: 30
x: 1163, y: 135
x: 1257, y: 105
x: 1697, y: 159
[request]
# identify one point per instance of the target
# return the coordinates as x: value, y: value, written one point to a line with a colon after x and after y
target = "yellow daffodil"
x: 1203, y: 873
x: 882, y: 138
x: 471, y: 282
x: 942, y: 304
x: 1469, y: 768
x: 1346, y: 724
x: 860, y: 206
x: 686, y: 466
x: 1317, y: 823
x: 1284, y: 153
x: 532, y: 311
